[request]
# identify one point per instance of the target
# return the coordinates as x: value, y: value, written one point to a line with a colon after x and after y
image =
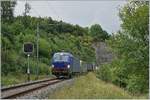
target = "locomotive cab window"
x: 60, y: 57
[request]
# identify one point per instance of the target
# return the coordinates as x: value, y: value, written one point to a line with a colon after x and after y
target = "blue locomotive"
x: 65, y: 64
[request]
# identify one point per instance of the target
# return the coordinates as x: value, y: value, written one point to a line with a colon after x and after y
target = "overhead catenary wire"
x: 49, y: 6
x: 54, y: 11
x: 35, y: 11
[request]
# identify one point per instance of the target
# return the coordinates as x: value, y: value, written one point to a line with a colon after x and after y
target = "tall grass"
x: 89, y: 87
x: 18, y: 78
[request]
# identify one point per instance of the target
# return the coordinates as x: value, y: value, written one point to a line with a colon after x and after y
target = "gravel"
x: 46, y: 91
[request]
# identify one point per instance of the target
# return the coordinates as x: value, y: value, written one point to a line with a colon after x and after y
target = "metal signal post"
x: 37, y: 48
x: 28, y: 49
x: 28, y: 70
x: 37, y: 51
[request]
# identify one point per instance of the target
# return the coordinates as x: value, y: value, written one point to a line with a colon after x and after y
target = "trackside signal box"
x: 28, y: 48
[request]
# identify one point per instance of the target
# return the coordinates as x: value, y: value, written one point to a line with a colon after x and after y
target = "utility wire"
x: 35, y: 11
x: 54, y: 11
x: 49, y: 7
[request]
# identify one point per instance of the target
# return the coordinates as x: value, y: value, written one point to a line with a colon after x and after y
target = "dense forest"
x: 129, y: 68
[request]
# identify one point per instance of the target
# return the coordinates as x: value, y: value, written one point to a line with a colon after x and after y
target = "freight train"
x: 65, y: 64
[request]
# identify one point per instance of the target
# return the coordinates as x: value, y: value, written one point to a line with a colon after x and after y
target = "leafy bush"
x: 137, y: 84
x: 29, y: 38
x: 45, y: 60
x: 44, y: 48
x: 44, y: 69
x: 104, y: 73
x: 5, y: 68
x: 10, y: 57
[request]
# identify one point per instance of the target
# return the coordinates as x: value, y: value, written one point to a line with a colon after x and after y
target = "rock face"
x: 103, y: 55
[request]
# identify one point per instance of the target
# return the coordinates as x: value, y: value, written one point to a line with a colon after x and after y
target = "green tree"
x: 53, y: 38
x: 7, y: 10
x: 44, y: 48
x: 98, y: 33
x: 130, y: 45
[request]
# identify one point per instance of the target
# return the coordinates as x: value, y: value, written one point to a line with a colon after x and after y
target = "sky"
x: 83, y: 13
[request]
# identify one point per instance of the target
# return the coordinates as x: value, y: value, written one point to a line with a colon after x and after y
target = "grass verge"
x: 90, y: 87
x: 12, y: 79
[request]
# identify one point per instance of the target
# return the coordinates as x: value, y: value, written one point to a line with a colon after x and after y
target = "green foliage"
x: 7, y: 10
x: 6, y: 42
x: 43, y: 69
x: 135, y: 20
x: 29, y: 38
x: 17, y: 78
x: 12, y: 80
x: 89, y: 87
x: 98, y: 33
x: 137, y: 83
x: 16, y: 28
x: 44, y: 48
x: 11, y: 58
x: 104, y: 73
x: 130, y: 68
x: 54, y: 36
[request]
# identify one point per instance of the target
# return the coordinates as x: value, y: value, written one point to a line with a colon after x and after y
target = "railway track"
x: 18, y: 90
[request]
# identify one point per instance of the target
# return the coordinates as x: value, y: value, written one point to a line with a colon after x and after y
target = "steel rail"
x: 40, y: 84
x: 25, y: 84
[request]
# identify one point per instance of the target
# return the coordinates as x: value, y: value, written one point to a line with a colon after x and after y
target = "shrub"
x: 44, y: 47
x: 104, y: 73
x: 137, y: 84
x: 45, y: 60
x: 44, y: 69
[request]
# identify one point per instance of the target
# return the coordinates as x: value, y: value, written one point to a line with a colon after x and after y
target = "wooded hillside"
x: 129, y: 68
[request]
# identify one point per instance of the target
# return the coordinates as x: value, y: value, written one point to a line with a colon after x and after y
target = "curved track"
x: 18, y: 90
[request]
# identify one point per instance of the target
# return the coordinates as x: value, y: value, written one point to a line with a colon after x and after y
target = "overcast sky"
x: 83, y: 13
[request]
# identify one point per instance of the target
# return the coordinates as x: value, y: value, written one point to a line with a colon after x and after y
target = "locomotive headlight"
x: 68, y: 66
x: 52, y: 66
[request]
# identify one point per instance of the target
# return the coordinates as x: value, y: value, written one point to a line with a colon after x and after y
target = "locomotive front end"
x: 60, y: 64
